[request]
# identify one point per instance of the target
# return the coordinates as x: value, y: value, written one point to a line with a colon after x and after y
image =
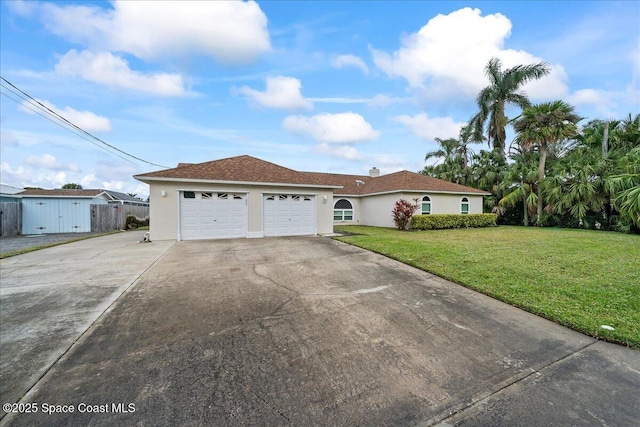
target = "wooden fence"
x: 11, y: 213
x: 114, y: 216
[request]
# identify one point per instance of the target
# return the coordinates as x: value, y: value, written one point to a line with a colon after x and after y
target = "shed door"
x: 212, y: 215
x: 49, y: 215
x: 289, y: 215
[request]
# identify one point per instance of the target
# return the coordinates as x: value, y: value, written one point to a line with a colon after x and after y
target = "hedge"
x: 440, y: 221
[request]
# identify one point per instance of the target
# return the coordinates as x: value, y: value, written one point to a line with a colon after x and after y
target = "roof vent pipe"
x: 374, y: 172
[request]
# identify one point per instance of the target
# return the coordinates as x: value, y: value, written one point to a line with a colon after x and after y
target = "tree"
x: 492, y: 100
x: 456, y: 153
x: 519, y: 183
x: 72, y: 186
x: 542, y: 127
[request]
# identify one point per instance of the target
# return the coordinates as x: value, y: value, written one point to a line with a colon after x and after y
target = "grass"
x: 9, y: 254
x: 581, y: 279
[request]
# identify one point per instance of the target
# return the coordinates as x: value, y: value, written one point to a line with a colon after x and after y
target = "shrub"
x: 402, y: 213
x: 441, y: 221
x: 132, y: 222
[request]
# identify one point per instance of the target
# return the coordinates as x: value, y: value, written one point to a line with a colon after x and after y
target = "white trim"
x: 468, y: 202
x: 288, y: 193
x: 58, y: 196
x: 461, y: 193
x: 255, y: 234
x: 253, y: 183
x: 343, y: 221
x: 216, y: 190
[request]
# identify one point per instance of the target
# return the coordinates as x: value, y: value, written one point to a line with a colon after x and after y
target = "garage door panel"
x: 289, y: 215
x: 212, y: 215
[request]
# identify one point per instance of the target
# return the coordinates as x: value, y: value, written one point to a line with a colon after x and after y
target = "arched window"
x: 464, y: 206
x: 343, y: 210
x: 426, y: 205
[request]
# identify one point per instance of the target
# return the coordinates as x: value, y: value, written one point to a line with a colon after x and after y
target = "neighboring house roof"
x: 248, y: 169
x: 9, y: 190
x: 82, y: 194
x: 62, y: 193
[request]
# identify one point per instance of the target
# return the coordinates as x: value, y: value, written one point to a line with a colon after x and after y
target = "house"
x: 248, y: 197
x: 9, y: 193
x: 66, y: 211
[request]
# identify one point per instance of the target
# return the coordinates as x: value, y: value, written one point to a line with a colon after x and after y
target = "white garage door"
x: 289, y: 215
x: 212, y: 215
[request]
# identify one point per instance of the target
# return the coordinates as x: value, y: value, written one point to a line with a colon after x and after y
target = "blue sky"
x: 317, y: 86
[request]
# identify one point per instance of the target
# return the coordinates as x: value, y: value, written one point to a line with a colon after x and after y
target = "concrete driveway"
x: 48, y: 298
x: 310, y: 331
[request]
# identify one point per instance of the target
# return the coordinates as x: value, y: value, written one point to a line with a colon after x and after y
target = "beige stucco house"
x: 247, y: 197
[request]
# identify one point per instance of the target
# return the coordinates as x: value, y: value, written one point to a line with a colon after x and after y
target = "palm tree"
x: 542, y: 127
x: 519, y: 183
x: 503, y: 89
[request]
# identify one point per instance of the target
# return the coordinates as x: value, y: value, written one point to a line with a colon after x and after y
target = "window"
x: 189, y: 194
x: 271, y: 198
x: 343, y: 210
x: 426, y: 205
x: 295, y: 197
x: 206, y: 196
x: 222, y: 196
x: 464, y: 206
x: 237, y: 197
x: 307, y: 198
x: 282, y: 197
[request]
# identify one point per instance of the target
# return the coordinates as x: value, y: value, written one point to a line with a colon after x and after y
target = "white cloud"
x: 47, y: 161
x: 113, y: 71
x: 430, y: 128
x: 340, y: 100
x: 382, y: 100
x: 22, y: 7
x: 601, y: 99
x: 350, y: 61
x: 83, y: 119
x: 340, y: 128
x: 281, y: 92
x: 448, y: 55
x: 8, y: 139
x: 342, y: 151
x: 231, y: 32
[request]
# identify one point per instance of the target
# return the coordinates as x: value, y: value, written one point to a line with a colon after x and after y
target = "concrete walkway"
x: 309, y: 332
x: 48, y: 299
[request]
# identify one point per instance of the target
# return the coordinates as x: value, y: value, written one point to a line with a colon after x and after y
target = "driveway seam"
x: 7, y: 418
x: 477, y: 401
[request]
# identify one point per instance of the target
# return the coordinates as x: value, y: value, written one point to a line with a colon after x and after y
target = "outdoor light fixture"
x: 163, y: 193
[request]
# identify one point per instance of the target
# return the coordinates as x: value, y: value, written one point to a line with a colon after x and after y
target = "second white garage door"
x: 289, y: 215
x: 212, y: 215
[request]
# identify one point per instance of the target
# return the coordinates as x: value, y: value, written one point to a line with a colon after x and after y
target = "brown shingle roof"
x: 240, y: 168
x: 249, y: 169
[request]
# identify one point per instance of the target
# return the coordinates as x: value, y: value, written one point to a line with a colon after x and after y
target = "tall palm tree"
x: 542, y: 127
x: 503, y: 89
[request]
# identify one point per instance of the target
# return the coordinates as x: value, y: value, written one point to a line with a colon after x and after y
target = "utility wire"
x: 66, y: 128
x: 49, y: 111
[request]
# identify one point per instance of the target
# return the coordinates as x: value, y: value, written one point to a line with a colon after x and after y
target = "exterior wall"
x: 376, y: 210
x: 164, y: 210
x: 355, y: 202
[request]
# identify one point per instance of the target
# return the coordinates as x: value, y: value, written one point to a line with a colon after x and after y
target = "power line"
x: 39, y: 105
x: 70, y: 130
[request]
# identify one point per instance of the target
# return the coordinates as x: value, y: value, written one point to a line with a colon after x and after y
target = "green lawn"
x: 578, y: 278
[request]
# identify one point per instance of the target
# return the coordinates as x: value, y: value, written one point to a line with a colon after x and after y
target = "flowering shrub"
x: 402, y: 213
